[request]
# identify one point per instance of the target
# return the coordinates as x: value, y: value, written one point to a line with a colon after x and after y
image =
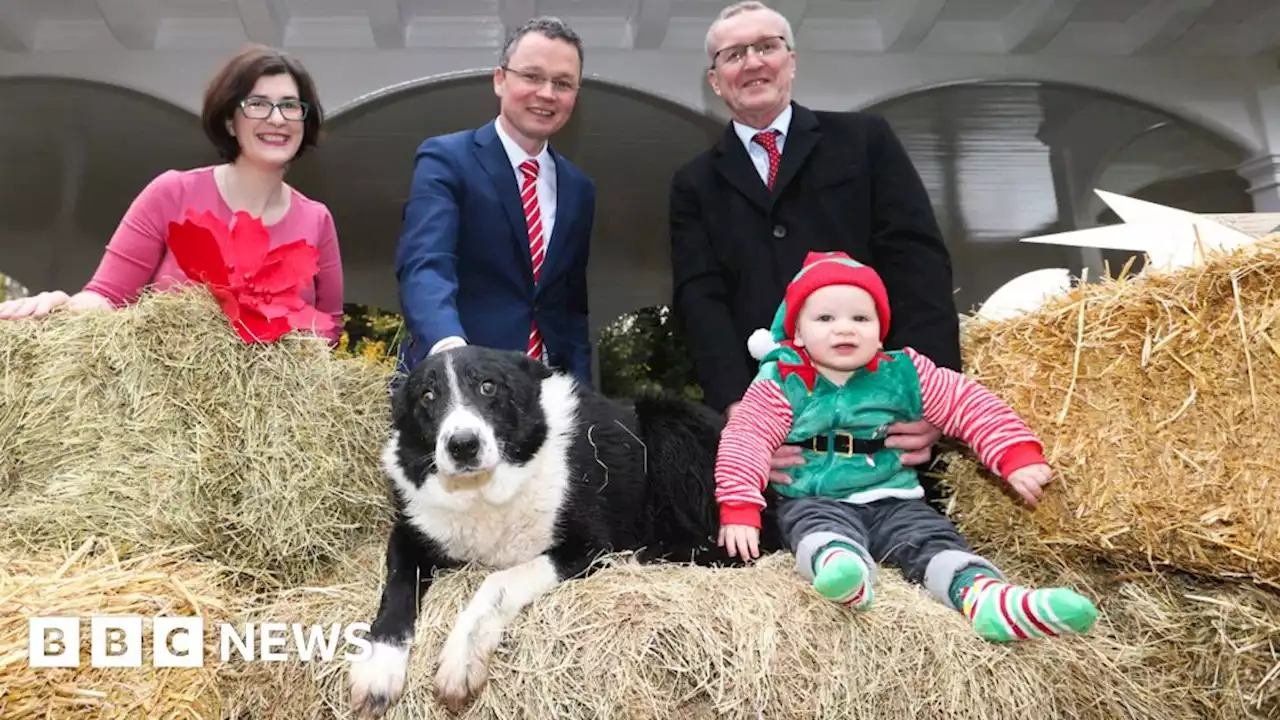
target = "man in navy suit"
x: 497, y: 226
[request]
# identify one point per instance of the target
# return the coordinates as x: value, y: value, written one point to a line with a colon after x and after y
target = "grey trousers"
x: 908, y: 534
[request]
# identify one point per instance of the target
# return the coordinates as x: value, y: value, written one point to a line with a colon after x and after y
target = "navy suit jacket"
x: 463, y: 262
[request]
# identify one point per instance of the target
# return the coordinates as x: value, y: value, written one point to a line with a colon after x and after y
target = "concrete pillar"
x: 1263, y: 170
x: 1263, y: 174
x: 1072, y: 202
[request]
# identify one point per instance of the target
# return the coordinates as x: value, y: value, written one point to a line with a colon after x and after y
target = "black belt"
x: 842, y: 444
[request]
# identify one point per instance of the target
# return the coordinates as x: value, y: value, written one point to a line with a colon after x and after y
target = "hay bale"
x: 156, y: 426
x: 1220, y: 639
x: 95, y: 581
x: 681, y: 642
x: 1156, y: 398
x: 671, y: 642
x: 1223, y: 637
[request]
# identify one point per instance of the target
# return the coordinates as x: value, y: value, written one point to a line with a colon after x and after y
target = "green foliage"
x: 371, y: 333
x: 644, y: 350
x: 640, y: 351
x: 11, y: 289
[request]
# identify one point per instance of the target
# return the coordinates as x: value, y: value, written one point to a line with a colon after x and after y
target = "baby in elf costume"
x: 825, y: 384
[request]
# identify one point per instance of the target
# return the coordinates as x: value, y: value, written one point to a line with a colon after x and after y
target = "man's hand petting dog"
x: 740, y: 540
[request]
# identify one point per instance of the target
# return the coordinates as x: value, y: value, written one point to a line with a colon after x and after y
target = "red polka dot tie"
x: 768, y: 139
x: 533, y: 221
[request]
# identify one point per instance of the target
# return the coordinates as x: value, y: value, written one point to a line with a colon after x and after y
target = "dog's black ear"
x: 400, y: 400
x: 536, y: 369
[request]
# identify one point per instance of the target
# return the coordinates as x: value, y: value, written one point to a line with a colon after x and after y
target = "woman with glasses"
x: 260, y: 112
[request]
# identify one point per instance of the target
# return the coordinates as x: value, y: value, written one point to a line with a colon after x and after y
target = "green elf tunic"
x: 885, y: 391
x: 789, y: 401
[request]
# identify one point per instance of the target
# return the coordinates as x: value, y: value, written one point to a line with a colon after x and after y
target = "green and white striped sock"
x: 840, y: 575
x: 1001, y: 612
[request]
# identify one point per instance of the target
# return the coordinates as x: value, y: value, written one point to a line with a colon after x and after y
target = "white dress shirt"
x: 546, y: 178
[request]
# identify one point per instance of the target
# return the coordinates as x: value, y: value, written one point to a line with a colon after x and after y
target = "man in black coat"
x: 783, y: 181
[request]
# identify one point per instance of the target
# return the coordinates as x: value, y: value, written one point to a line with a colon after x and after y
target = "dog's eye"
x: 428, y: 397
x: 488, y: 388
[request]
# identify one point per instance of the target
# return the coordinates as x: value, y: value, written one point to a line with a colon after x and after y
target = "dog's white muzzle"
x: 465, y: 445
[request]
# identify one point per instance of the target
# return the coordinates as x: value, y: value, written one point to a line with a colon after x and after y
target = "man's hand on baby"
x: 1029, y: 482
x: 915, y: 438
x: 784, y: 457
x: 740, y: 540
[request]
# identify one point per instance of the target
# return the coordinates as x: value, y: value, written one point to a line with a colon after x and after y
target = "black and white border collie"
x: 495, y: 459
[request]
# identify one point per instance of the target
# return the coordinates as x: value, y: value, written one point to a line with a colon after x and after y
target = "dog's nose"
x: 464, y: 446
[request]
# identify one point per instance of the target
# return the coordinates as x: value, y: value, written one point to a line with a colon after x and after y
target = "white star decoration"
x: 1171, y: 239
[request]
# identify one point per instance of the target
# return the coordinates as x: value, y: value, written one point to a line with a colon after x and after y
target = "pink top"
x: 137, y: 257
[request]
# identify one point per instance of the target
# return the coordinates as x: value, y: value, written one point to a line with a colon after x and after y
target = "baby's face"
x: 839, y: 327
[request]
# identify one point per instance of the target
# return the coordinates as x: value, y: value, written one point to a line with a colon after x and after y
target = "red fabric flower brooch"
x: 257, y: 286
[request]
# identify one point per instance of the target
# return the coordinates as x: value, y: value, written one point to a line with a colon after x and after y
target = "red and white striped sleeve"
x: 964, y: 409
x: 756, y: 429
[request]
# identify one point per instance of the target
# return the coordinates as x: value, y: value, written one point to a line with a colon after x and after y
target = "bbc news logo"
x: 116, y: 641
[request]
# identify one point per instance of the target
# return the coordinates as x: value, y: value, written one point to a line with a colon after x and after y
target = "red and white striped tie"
x: 537, y: 249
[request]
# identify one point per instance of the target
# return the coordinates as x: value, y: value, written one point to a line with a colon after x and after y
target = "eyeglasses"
x: 537, y: 80
x: 737, y: 53
x: 257, y: 108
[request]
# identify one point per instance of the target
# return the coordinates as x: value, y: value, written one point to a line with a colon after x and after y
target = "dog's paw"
x: 461, y: 676
x: 377, y: 682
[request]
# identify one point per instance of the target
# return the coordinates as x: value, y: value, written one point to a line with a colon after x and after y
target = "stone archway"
x: 630, y: 142
x: 1004, y: 160
x: 76, y: 153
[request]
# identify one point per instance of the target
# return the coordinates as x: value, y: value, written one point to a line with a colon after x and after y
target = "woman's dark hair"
x: 236, y: 79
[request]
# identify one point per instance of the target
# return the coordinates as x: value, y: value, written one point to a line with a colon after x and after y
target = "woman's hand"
x: 86, y: 300
x: 34, y: 306
x: 46, y: 302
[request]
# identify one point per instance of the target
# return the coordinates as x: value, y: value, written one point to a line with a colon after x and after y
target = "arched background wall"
x: 1233, y: 125
x: 88, y: 147
x: 73, y: 155
x: 629, y: 142
x: 1058, y: 141
x: 1004, y: 160
x: 1218, y: 93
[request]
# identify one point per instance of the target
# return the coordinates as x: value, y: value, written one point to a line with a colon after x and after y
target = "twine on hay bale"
x: 93, y: 580
x: 1156, y: 397
x: 681, y: 642
x: 155, y: 425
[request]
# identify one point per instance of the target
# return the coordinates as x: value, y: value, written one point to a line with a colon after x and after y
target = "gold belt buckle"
x: 847, y: 453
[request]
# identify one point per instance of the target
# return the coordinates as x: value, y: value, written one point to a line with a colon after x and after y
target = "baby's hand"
x: 740, y: 539
x: 1029, y: 482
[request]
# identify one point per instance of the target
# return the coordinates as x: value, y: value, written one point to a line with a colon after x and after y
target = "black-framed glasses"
x: 259, y: 108
x: 735, y: 54
x: 537, y: 80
